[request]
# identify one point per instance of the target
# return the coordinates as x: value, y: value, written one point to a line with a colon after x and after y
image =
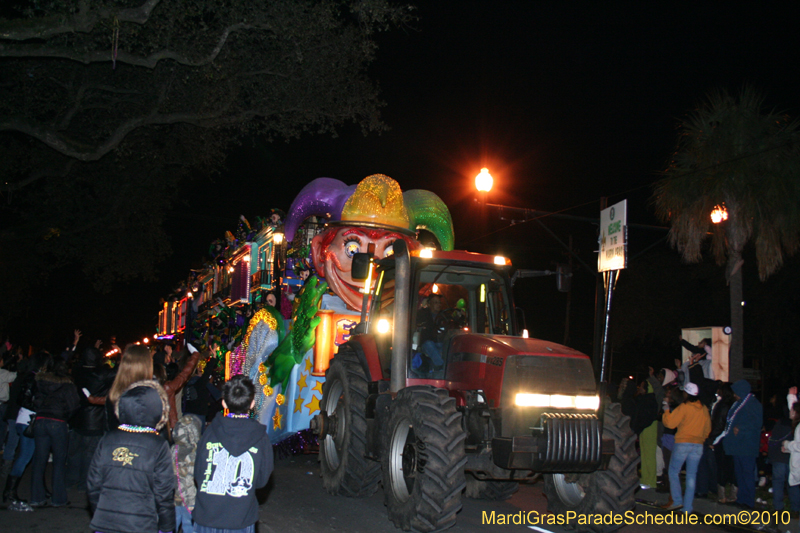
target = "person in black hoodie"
x: 131, y: 484
x: 93, y: 379
x: 234, y: 458
x: 55, y: 401
x: 711, y: 473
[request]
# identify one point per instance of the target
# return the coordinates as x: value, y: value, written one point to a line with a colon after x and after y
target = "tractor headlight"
x: 557, y: 401
x: 587, y: 402
x: 383, y: 326
x: 532, y: 400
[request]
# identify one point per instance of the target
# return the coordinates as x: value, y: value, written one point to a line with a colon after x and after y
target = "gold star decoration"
x: 313, y: 405
x: 301, y: 383
x: 298, y: 404
x: 318, y: 386
x: 276, y: 419
x: 308, y: 364
x: 279, y: 399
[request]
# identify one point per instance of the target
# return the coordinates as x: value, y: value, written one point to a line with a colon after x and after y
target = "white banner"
x: 613, y: 238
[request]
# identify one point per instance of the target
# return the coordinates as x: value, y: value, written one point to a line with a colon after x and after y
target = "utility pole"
x: 599, y: 308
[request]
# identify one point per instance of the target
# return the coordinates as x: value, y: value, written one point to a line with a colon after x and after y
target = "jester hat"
x: 376, y: 202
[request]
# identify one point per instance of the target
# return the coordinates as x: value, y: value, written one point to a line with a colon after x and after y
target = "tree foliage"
x: 106, y: 105
x: 733, y: 154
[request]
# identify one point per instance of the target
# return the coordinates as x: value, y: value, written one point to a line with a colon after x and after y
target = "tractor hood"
x: 502, y: 365
x: 505, y: 345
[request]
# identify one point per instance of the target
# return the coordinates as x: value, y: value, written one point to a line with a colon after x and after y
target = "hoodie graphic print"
x: 234, y: 458
x: 226, y: 474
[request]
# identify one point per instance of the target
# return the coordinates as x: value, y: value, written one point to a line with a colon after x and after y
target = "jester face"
x: 333, y: 252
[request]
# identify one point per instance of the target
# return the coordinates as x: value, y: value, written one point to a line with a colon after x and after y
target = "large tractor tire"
x: 423, y: 460
x: 345, y: 469
x: 479, y: 489
x: 603, y: 491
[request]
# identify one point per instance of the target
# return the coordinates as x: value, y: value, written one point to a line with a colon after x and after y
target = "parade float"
x: 277, y: 298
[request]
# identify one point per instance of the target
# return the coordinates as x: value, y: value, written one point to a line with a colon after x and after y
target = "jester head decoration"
x: 375, y: 212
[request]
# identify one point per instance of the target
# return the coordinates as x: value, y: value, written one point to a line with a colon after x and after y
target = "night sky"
x: 564, y: 102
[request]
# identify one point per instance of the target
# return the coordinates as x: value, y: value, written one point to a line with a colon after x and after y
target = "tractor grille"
x: 573, y: 442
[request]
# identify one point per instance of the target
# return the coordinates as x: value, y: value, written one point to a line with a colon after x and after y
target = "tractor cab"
x: 450, y: 294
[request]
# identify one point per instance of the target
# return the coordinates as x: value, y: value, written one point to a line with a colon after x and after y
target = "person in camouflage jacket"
x: 186, y: 434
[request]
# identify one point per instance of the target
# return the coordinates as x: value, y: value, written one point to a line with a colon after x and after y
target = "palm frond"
x: 732, y: 153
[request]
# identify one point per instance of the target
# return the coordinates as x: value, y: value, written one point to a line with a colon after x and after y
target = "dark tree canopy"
x: 105, y: 105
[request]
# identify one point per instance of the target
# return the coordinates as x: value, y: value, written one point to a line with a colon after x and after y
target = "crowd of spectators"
x: 55, y: 408
x: 718, y: 433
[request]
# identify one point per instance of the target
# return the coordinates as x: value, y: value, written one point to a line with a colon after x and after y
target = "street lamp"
x: 484, y: 181
x: 719, y: 214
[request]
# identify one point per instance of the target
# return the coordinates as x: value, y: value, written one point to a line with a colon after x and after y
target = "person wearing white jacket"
x: 793, y: 446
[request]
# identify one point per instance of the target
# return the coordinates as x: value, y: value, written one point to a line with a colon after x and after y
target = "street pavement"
x: 295, y: 502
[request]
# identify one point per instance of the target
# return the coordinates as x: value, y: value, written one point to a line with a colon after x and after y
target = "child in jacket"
x: 234, y: 458
x: 131, y: 483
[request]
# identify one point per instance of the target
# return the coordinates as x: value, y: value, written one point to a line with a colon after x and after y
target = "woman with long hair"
x: 136, y: 365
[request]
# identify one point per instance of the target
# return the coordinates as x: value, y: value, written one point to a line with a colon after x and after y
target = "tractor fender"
x: 367, y: 353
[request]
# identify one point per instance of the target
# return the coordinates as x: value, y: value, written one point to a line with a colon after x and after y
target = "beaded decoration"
x: 137, y: 429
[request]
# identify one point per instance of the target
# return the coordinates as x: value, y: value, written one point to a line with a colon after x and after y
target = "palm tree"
x: 733, y: 156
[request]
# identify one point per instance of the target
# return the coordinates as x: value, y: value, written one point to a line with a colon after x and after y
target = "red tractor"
x: 437, y: 392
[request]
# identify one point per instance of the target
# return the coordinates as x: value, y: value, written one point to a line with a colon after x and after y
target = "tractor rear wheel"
x: 345, y: 469
x: 603, y: 491
x: 423, y: 460
x: 479, y: 489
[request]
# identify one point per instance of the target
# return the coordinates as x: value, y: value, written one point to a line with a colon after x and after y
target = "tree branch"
x: 103, y: 56
x: 39, y: 174
x: 82, y: 22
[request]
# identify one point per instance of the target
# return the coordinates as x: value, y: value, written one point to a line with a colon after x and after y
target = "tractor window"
x: 450, y: 299
x: 496, y: 310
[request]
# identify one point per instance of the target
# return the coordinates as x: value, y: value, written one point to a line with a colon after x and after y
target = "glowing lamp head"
x: 484, y: 181
x: 719, y: 214
x: 146, y: 340
x: 277, y: 238
x: 426, y: 253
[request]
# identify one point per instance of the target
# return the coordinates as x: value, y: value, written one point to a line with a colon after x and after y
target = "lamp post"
x: 277, y: 239
x: 719, y: 215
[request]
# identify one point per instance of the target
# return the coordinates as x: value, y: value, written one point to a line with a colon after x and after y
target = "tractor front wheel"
x: 345, y: 469
x: 423, y: 460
